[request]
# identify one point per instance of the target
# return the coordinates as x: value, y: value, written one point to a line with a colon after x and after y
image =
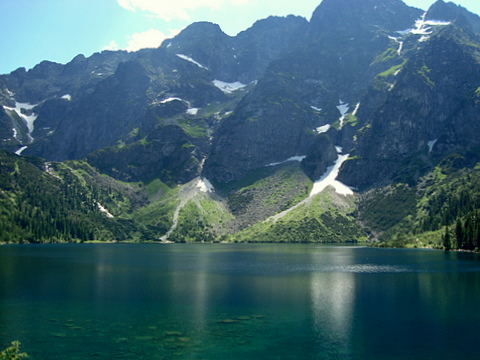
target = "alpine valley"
x: 360, y: 125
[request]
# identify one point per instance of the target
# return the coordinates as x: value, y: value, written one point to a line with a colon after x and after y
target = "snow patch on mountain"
x: 431, y: 144
x: 193, y: 111
x: 424, y: 27
x: 190, y: 110
x: 172, y: 99
x: 228, y: 88
x: 329, y: 178
x: 105, y: 211
x: 400, y: 44
x: 67, y: 97
x: 323, y: 129
x: 15, y: 133
x: 188, y: 58
x: 316, y: 108
x: 343, y: 108
x: 205, y: 185
x: 355, y: 111
x: 293, y: 158
x: 19, y: 151
x: 20, y: 109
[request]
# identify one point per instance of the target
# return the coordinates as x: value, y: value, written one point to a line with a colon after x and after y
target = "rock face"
x: 455, y: 13
x: 49, y: 79
x: 269, y: 125
x: 244, y: 57
x: 320, y: 155
x: 329, y: 65
x: 396, y: 88
x: 99, y: 102
x: 431, y: 111
x: 167, y: 153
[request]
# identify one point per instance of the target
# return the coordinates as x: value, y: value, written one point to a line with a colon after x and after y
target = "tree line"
x: 36, y: 207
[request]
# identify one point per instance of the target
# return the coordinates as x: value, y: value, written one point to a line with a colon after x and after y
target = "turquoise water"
x: 239, y: 302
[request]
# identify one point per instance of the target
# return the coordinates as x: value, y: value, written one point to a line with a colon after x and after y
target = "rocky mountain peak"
x: 442, y: 10
x: 386, y: 14
x: 275, y: 22
x: 448, y: 11
x: 205, y: 30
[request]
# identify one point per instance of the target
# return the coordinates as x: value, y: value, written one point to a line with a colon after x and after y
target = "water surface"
x: 239, y: 302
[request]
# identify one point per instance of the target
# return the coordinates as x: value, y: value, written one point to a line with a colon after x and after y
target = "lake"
x: 239, y: 301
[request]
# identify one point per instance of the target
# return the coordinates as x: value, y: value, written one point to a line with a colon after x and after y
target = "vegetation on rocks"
x: 441, y: 211
x: 65, y: 202
x: 13, y: 352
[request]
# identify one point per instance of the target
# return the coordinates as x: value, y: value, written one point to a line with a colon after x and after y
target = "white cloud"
x: 240, y: 2
x: 175, y: 9
x: 113, y: 46
x: 143, y: 40
x: 148, y: 39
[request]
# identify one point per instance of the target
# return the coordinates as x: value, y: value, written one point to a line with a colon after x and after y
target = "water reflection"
x: 332, y: 295
x: 193, y: 287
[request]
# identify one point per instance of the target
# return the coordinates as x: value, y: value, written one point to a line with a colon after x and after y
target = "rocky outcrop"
x: 167, y: 153
x: 98, y: 119
x: 266, y: 41
x: 241, y: 58
x: 118, y: 104
x: 49, y: 79
x: 448, y: 11
x: 431, y: 111
x: 320, y: 155
x: 271, y: 124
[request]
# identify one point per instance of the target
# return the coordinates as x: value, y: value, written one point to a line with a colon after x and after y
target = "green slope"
x: 325, y: 218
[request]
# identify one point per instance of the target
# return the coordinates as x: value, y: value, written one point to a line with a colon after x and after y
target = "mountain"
x: 254, y: 137
x: 328, y: 67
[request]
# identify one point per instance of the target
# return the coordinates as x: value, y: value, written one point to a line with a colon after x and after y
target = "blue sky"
x: 58, y: 30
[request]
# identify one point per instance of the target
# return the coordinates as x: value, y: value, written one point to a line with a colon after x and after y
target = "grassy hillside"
x: 325, y: 218
x: 263, y: 193
x: 201, y: 219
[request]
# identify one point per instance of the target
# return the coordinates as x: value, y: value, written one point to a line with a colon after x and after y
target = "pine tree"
x: 446, y: 239
x: 459, y: 234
